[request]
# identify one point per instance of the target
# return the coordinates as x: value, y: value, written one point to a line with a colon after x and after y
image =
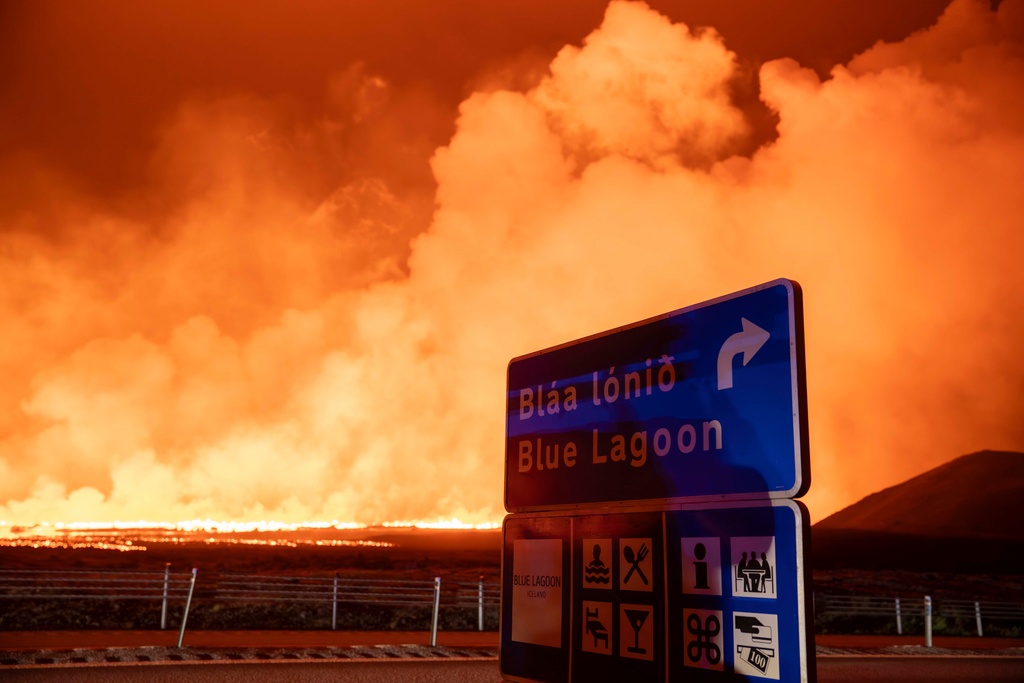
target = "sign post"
x: 650, y: 472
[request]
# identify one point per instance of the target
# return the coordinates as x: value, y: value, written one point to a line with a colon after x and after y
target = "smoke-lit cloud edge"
x: 884, y: 193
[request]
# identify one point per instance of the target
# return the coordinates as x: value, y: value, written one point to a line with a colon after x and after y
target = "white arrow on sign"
x: 748, y: 342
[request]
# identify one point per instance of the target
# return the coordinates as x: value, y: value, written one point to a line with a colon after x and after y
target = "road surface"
x: 460, y: 657
x: 48, y: 640
x: 831, y: 669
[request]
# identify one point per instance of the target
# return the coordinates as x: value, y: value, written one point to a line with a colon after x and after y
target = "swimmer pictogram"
x: 597, y: 573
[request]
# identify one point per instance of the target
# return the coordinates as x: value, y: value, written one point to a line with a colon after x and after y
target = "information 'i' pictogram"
x: 702, y: 566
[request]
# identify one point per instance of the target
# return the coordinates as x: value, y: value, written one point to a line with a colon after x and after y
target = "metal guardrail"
x: 16, y: 584
x: 180, y: 588
x: 925, y: 608
x: 169, y: 587
x: 476, y: 594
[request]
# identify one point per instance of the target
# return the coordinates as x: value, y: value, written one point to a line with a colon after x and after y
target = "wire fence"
x: 416, y: 601
x: 177, y: 592
x: 862, y: 613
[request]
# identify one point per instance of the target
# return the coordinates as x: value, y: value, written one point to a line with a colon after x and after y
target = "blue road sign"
x: 695, y: 592
x: 736, y: 592
x: 701, y: 404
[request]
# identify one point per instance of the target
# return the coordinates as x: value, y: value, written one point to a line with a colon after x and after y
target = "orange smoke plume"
x: 249, y: 338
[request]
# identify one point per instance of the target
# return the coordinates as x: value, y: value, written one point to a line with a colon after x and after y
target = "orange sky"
x: 260, y: 263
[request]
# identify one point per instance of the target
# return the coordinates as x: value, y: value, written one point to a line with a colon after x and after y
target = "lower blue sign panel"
x: 735, y: 590
x: 709, y: 592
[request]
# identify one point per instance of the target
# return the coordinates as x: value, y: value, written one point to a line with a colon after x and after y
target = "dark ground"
x: 840, y: 566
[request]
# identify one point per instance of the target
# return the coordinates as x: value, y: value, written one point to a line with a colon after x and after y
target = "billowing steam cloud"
x: 268, y: 347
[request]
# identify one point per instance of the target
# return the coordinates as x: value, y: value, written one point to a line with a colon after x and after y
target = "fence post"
x: 437, y: 608
x: 188, y: 604
x: 480, y: 605
x: 927, y: 621
x: 163, y: 609
x: 977, y: 616
x: 899, y: 619
x: 334, y: 610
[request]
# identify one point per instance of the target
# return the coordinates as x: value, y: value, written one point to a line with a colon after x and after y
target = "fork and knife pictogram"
x: 635, y: 560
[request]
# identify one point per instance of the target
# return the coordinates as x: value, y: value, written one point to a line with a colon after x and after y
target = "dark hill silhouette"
x: 963, y: 516
x: 980, y: 495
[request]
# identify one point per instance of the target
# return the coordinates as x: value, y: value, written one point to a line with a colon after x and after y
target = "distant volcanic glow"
x: 134, y: 536
x: 281, y: 318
